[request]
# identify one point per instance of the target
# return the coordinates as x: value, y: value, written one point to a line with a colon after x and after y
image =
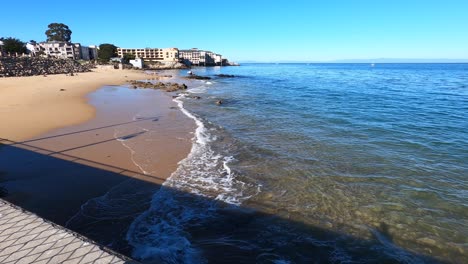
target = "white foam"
x: 204, y: 171
x: 188, y: 197
x: 132, y: 152
x: 200, y: 89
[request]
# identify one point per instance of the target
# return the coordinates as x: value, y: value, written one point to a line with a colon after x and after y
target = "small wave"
x: 206, y: 170
x: 200, y: 89
x: 188, y: 198
x: 123, y: 140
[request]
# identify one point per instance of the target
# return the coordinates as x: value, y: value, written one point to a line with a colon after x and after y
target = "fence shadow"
x: 128, y: 212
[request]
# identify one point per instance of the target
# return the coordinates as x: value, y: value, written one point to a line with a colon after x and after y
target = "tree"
x: 106, y: 51
x: 127, y: 57
x: 58, y: 32
x: 13, y: 45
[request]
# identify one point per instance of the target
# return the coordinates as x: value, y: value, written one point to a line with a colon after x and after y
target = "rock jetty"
x: 165, y: 86
x: 27, y: 66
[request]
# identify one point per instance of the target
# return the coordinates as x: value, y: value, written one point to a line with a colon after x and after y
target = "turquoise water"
x: 344, y: 162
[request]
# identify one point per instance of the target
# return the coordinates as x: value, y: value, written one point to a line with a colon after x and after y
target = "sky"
x: 257, y: 30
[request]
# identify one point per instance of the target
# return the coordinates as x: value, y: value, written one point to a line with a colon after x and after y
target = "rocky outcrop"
x: 225, y: 75
x: 168, y: 87
x: 197, y: 77
x: 164, y: 65
x: 27, y: 66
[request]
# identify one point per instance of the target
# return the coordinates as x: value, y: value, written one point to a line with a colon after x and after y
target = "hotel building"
x: 151, y: 54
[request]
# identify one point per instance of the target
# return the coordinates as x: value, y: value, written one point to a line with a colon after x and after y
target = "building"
x: 93, y: 52
x: 151, y: 54
x: 67, y: 50
x: 60, y: 49
x: 84, y: 53
x: 89, y: 53
x: 200, y: 57
x: 137, y: 63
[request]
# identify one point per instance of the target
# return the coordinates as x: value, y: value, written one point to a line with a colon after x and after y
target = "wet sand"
x: 138, y: 131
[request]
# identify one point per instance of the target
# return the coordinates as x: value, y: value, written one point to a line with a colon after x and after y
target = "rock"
x: 427, y: 241
x: 219, y: 102
x: 197, y: 77
x: 164, y: 65
x: 62, y: 90
x: 225, y: 75
x: 168, y: 87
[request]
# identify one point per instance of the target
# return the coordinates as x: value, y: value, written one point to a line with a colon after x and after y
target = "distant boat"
x: 372, y: 64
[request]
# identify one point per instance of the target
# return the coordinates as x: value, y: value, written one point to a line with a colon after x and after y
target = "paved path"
x: 27, y: 238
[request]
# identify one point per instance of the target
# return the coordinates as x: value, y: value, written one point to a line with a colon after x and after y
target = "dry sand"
x: 33, y: 105
x: 82, y: 123
x: 67, y: 147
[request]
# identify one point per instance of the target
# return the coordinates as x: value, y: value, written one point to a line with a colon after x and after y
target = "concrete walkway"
x: 27, y: 238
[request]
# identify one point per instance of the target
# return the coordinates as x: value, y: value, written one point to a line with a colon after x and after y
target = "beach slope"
x: 33, y: 105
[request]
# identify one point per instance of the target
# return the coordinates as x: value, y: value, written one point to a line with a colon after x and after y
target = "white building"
x: 67, y: 50
x: 151, y: 54
x: 31, y: 47
x: 200, y: 57
x: 137, y: 63
x: 61, y: 49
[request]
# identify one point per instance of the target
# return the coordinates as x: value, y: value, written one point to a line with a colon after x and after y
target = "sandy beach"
x: 30, y: 106
x: 66, y: 148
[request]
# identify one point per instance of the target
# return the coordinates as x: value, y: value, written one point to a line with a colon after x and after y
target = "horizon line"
x: 382, y: 60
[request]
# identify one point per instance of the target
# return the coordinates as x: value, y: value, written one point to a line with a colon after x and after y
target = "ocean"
x: 317, y: 163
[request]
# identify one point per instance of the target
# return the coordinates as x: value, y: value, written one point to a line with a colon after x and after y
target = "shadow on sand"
x: 102, y: 201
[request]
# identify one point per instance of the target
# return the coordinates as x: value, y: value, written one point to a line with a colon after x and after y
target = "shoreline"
x: 36, y: 104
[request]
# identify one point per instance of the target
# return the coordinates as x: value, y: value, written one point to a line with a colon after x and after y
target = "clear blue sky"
x: 257, y: 29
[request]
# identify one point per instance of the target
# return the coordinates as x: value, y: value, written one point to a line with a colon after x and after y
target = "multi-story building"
x: 60, y: 49
x: 89, y: 53
x: 67, y: 50
x: 193, y: 56
x: 151, y: 54
x: 200, y: 57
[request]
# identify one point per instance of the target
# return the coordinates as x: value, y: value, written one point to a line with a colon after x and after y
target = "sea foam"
x: 189, y: 197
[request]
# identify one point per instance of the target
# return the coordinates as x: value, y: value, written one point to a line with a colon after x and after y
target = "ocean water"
x: 317, y: 163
